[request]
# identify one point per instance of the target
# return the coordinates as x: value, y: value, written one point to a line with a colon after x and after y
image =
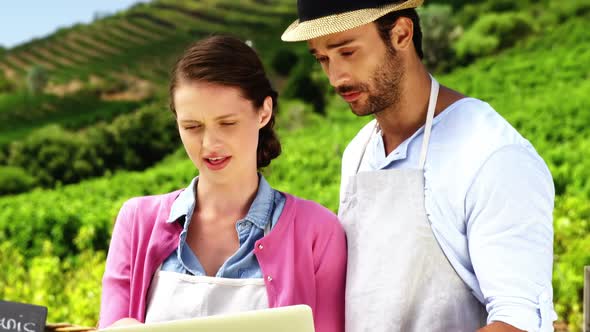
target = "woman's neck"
x: 226, y: 199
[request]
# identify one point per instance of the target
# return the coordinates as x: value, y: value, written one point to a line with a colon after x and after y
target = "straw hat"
x: 322, y: 17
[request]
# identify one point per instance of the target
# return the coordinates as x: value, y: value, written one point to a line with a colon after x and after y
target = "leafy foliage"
x: 22, y: 113
x: 15, y: 180
x: 303, y: 84
x: 541, y: 89
x: 439, y: 33
x: 53, y: 155
x: 284, y: 61
x: 6, y: 85
x: 493, y: 32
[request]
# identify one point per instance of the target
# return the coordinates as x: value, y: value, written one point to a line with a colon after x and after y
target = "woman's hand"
x: 126, y: 322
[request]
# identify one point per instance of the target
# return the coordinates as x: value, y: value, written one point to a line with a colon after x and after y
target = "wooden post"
x: 587, y: 299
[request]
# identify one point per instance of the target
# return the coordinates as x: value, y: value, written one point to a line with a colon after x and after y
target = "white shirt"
x: 489, y: 197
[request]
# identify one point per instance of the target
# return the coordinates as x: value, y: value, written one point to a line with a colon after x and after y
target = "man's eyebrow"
x: 313, y: 51
x: 339, y: 44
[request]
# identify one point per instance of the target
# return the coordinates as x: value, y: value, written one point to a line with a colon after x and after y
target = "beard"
x: 384, y: 89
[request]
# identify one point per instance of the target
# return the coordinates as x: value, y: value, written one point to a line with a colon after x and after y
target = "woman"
x: 228, y: 242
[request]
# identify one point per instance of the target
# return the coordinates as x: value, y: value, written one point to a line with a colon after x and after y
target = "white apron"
x: 174, y: 296
x: 398, y: 278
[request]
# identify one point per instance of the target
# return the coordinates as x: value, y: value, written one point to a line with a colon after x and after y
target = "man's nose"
x: 338, y: 75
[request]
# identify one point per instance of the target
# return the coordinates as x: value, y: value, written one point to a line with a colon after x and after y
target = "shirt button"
x: 269, y: 278
x: 260, y: 246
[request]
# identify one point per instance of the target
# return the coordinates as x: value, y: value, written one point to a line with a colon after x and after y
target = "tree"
x: 37, y: 79
x: 306, y: 86
x: 440, y: 32
x: 5, y: 84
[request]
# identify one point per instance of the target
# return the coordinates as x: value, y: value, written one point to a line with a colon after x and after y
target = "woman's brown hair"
x: 228, y: 61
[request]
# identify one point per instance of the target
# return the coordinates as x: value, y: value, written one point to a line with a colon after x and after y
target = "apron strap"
x: 434, y: 87
x: 360, y: 159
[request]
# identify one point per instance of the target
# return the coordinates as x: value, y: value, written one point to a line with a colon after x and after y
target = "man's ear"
x: 402, y: 33
x: 265, y: 113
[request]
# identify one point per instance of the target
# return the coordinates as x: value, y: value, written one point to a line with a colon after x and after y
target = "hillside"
x: 99, y: 75
x: 123, y: 57
x: 143, y: 42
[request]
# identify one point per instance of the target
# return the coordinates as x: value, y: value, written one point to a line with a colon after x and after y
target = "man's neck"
x: 402, y: 120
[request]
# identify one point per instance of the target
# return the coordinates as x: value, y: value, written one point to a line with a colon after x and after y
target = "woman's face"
x: 219, y: 129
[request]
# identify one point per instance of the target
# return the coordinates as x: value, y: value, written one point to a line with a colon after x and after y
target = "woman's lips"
x: 216, y: 163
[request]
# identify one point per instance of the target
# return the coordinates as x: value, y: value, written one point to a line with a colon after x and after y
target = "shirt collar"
x: 262, y: 206
x: 184, y: 203
x: 259, y: 212
x: 401, y: 152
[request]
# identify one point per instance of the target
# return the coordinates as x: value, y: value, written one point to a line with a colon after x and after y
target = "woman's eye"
x: 228, y: 123
x: 191, y: 127
x: 347, y: 54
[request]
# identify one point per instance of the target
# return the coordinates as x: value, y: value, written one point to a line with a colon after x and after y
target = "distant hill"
x: 143, y: 41
x: 101, y: 70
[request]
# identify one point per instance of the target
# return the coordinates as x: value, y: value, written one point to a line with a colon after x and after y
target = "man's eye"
x: 191, y: 127
x: 321, y: 59
x: 228, y: 123
x: 347, y: 54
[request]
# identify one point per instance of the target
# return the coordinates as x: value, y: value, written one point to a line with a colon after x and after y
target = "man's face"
x: 365, y: 71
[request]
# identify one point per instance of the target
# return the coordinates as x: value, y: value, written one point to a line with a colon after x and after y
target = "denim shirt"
x: 266, y: 208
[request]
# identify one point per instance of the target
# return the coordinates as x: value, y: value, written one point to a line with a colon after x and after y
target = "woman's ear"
x: 265, y: 113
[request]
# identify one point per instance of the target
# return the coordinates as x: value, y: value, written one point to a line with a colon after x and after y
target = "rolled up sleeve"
x: 509, y: 209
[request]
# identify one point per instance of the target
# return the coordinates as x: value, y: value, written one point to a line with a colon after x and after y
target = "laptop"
x: 297, y: 318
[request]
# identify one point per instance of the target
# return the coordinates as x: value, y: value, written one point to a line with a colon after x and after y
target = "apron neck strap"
x: 434, y: 87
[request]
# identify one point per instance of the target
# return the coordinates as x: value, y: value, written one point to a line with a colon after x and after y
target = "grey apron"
x: 398, y: 277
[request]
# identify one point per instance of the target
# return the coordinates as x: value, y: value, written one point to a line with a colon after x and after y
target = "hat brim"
x: 300, y: 31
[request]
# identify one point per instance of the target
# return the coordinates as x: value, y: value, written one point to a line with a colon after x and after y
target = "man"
x: 447, y: 209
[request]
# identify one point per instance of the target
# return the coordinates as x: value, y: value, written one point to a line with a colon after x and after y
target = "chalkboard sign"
x: 20, y: 317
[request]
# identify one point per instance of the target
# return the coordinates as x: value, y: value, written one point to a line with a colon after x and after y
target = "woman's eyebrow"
x: 225, y: 116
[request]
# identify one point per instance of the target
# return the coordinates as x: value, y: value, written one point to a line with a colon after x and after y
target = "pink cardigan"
x: 305, y: 253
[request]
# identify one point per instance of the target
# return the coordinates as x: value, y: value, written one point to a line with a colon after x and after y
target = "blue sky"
x: 22, y: 20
